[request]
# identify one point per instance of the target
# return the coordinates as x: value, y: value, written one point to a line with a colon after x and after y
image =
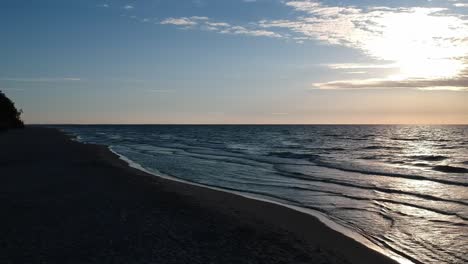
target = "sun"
x: 422, y: 43
x: 429, y: 68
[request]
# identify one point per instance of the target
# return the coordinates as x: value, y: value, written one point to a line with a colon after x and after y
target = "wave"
x: 448, y: 222
x: 420, y: 139
x: 290, y: 155
x: 332, y: 135
x: 376, y: 157
x: 389, y: 174
x: 333, y: 149
x: 302, y: 176
x: 404, y: 139
x: 448, y: 147
x: 450, y: 169
x: 447, y: 169
x: 429, y: 157
x: 439, y: 140
x: 382, y: 147
x: 421, y: 164
x: 401, y: 162
x: 342, y: 137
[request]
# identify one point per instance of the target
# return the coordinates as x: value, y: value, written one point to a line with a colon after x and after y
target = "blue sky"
x: 236, y: 61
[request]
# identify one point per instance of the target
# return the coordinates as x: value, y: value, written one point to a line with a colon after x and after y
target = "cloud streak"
x: 42, y: 79
x: 205, y: 23
x: 459, y: 83
x: 12, y: 89
x: 182, y: 21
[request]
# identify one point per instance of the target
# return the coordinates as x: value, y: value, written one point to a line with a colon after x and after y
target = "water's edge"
x: 318, y: 215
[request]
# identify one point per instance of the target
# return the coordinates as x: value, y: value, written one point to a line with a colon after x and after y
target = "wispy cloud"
x: 12, y: 89
x: 205, y: 23
x: 347, y: 66
x: 128, y: 7
x: 42, y: 79
x: 181, y: 21
x: 459, y: 83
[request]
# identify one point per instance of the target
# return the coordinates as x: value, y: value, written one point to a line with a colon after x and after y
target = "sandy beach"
x: 67, y: 202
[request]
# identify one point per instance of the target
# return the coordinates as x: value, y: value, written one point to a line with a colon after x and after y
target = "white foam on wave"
x: 320, y: 216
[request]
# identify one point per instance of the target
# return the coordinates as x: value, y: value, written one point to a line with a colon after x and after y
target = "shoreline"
x: 310, y: 212
x: 294, y: 228
x: 320, y: 216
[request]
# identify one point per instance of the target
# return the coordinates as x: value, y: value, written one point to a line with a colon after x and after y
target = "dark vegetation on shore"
x: 10, y: 117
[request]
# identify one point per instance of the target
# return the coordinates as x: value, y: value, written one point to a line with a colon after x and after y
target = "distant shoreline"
x: 94, y: 197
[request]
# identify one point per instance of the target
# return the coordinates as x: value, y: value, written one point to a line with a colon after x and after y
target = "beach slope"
x: 67, y: 202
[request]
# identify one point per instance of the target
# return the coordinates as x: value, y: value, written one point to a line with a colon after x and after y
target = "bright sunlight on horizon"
x: 239, y: 61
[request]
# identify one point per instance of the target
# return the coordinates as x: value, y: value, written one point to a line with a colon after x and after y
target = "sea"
x: 402, y: 188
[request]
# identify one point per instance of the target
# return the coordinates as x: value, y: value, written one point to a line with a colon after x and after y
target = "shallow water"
x: 403, y: 187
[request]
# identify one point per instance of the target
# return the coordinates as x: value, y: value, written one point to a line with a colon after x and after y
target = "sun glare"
x: 422, y: 43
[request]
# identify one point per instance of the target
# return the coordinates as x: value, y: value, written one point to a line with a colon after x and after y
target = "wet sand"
x: 67, y: 202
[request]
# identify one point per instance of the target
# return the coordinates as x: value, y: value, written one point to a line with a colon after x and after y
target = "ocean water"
x: 405, y: 188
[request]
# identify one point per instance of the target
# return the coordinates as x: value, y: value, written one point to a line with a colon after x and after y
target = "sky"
x: 236, y: 61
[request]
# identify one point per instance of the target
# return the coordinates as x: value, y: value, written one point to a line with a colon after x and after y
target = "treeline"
x: 10, y: 117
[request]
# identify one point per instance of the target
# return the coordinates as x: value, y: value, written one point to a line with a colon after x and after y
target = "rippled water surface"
x: 403, y: 187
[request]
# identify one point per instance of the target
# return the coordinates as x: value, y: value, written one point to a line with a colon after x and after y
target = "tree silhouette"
x: 9, y: 115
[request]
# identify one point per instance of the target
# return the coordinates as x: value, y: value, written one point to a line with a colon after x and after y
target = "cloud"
x: 239, y: 30
x: 12, y: 89
x: 181, y: 21
x: 426, y: 46
x: 347, y: 66
x: 205, y: 23
x: 218, y: 24
x: 356, y: 72
x: 128, y: 7
x: 42, y: 79
x: 379, y: 30
x: 407, y: 35
x: 459, y: 83
x: 423, y: 46
x: 199, y: 18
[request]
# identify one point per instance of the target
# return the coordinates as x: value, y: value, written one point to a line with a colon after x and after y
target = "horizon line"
x: 246, y: 124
